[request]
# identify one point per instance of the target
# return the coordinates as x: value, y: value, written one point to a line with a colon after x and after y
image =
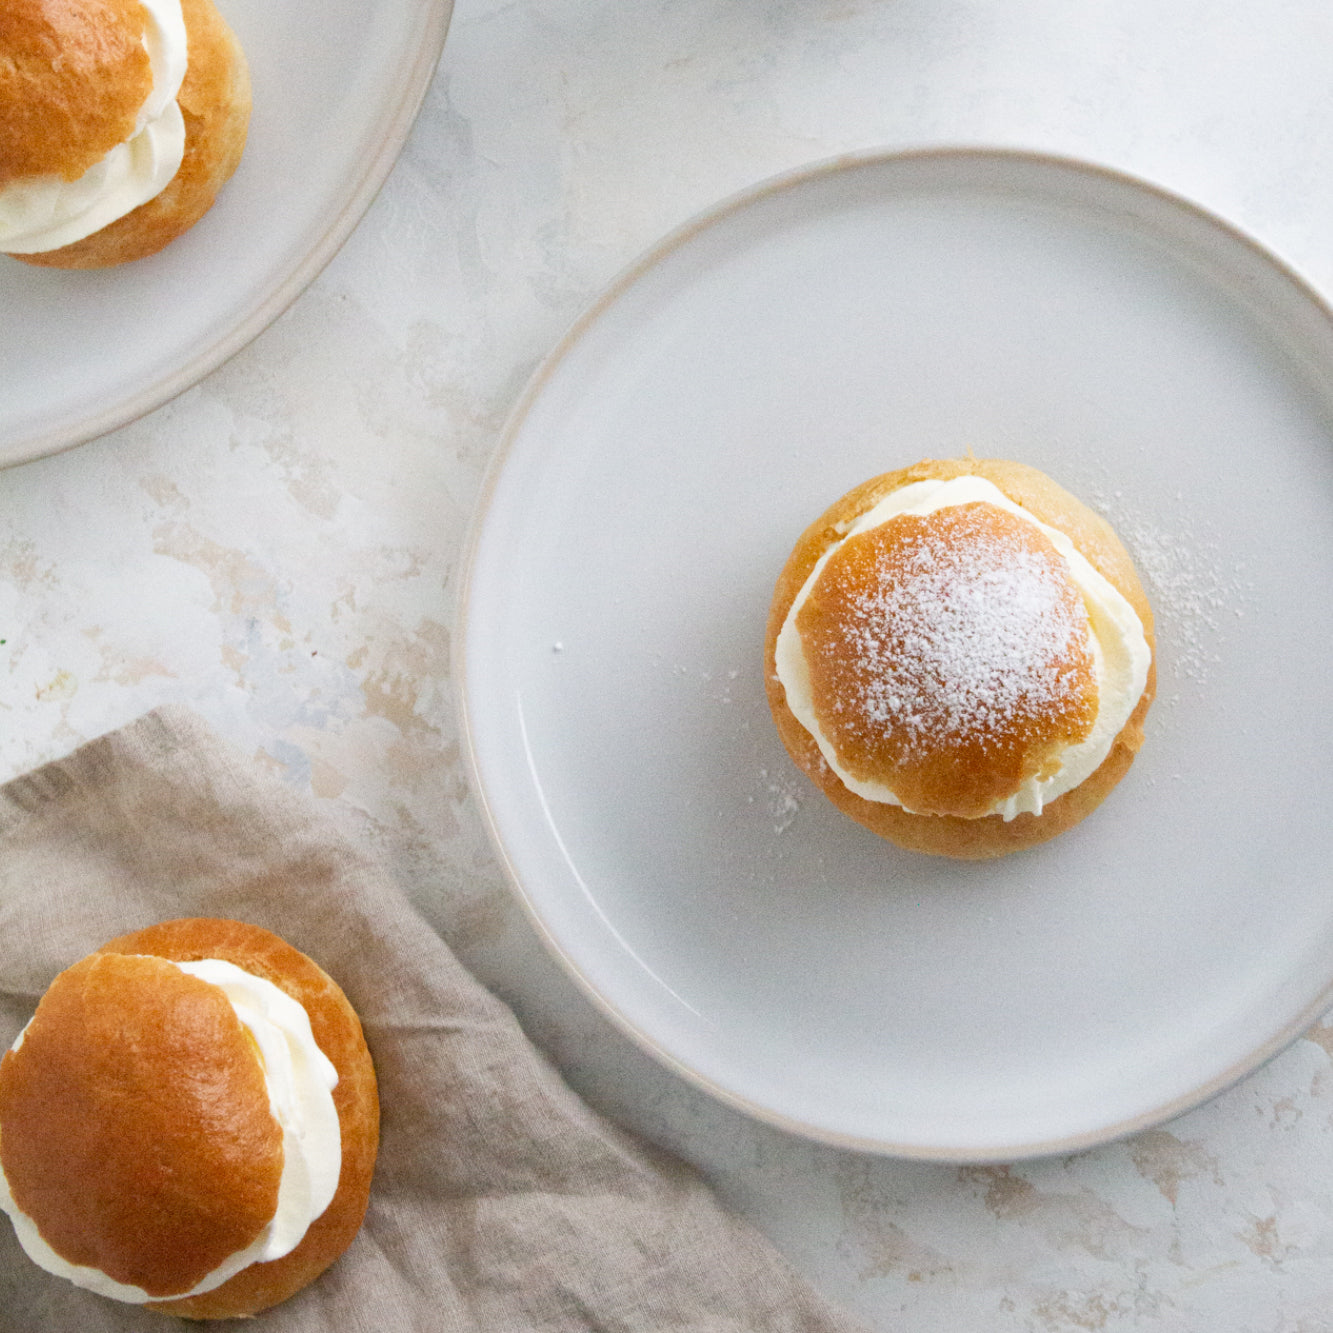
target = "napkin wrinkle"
x: 502, y: 1202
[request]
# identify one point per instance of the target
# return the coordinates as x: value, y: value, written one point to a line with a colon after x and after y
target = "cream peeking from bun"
x: 961, y: 656
x: 119, y: 122
x: 189, y: 1122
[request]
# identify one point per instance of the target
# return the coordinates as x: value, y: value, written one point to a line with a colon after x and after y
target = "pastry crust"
x: 953, y: 835
x: 73, y: 75
x: 100, y: 1106
x: 948, y: 657
x: 215, y: 102
x: 336, y: 1029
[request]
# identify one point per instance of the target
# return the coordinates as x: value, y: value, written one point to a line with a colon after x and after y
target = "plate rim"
x: 355, y: 200
x: 645, y: 262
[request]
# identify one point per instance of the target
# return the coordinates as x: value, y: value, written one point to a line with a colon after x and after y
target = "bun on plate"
x: 119, y: 122
x: 960, y: 655
x: 190, y: 1121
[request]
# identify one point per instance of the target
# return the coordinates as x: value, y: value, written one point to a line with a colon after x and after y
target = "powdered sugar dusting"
x: 1197, y: 591
x: 964, y: 633
x: 782, y: 802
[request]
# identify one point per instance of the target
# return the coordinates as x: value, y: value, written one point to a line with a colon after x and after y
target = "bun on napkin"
x: 190, y: 1121
x: 961, y: 657
x: 120, y: 120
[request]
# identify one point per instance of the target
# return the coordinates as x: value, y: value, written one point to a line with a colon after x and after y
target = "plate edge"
x: 671, y: 241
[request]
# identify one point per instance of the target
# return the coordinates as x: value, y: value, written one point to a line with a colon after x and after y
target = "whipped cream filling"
x: 300, y: 1079
x: 1119, y: 648
x: 46, y: 212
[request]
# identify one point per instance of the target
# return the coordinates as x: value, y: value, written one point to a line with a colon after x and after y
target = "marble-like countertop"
x: 279, y: 548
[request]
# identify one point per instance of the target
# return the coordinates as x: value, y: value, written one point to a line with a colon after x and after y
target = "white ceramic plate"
x: 821, y: 329
x: 336, y: 88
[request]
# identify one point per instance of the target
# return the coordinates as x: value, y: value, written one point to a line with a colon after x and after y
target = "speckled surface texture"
x: 279, y: 548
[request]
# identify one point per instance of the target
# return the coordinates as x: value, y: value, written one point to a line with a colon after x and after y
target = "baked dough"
x: 164, y: 1185
x: 62, y: 115
x: 984, y: 776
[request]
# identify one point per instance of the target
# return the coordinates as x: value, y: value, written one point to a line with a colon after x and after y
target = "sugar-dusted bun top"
x: 137, y: 1130
x: 949, y: 657
x: 73, y: 77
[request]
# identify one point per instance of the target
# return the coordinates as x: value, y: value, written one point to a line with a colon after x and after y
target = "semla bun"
x: 135, y: 1127
x: 885, y: 684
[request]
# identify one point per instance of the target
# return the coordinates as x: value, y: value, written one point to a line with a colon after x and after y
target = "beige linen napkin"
x: 501, y: 1202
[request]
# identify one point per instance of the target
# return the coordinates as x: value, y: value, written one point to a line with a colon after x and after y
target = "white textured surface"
x: 279, y: 547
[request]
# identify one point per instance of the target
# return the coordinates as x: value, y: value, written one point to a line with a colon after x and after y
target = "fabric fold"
x: 501, y: 1201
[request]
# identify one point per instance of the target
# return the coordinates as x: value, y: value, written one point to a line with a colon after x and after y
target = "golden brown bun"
x: 952, y: 834
x: 78, y: 1120
x: 62, y: 115
x: 955, y: 709
x: 124, y: 970
x: 215, y: 102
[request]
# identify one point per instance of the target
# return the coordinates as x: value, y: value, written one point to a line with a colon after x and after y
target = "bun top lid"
x: 137, y: 1133
x: 73, y: 77
x: 949, y: 657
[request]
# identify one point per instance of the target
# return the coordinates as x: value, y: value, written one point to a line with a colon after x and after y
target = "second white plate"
x: 824, y: 328
x: 336, y: 88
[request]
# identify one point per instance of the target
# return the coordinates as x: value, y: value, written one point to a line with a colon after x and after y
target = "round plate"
x: 821, y: 329
x: 335, y: 94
